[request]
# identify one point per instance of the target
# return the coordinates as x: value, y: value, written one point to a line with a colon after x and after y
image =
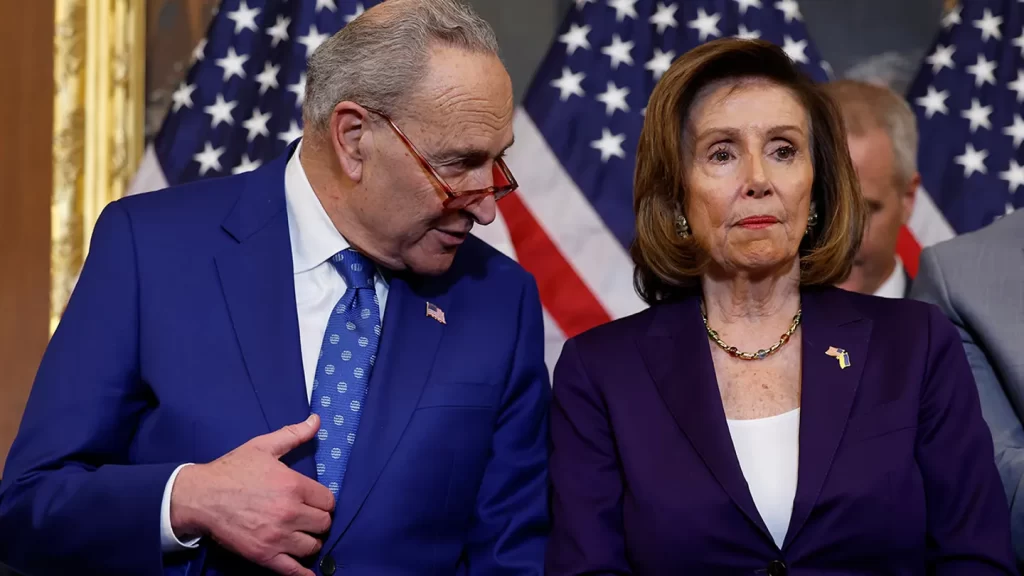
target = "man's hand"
x: 255, y: 506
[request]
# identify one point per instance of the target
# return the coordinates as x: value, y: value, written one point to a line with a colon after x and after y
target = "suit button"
x: 776, y: 568
x: 327, y: 566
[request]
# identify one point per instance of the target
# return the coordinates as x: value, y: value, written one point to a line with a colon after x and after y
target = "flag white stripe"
x: 149, y: 176
x: 569, y: 220
x: 927, y: 223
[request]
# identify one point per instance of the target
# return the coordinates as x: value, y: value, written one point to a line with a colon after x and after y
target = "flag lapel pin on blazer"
x: 841, y: 355
x: 436, y: 313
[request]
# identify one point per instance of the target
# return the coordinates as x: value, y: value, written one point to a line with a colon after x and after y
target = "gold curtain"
x: 98, y: 124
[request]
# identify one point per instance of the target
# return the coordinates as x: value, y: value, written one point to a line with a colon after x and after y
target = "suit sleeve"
x: 587, y: 532
x: 510, y: 527
x: 71, y: 499
x: 968, y: 519
x: 1003, y: 423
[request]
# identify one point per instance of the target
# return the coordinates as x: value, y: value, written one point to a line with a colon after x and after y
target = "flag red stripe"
x: 567, y: 299
x: 909, y: 250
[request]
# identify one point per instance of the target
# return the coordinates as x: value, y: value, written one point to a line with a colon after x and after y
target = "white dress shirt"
x: 895, y: 286
x: 769, y: 453
x: 318, y: 287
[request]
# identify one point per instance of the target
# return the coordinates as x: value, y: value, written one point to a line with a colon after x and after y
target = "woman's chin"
x: 763, y: 264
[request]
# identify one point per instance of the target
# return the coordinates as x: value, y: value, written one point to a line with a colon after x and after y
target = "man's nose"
x: 483, y: 210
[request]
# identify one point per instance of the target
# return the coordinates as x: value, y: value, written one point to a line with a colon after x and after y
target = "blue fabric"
x: 343, y: 370
x: 181, y: 343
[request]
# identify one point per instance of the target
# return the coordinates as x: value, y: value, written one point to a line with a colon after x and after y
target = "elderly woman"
x: 755, y: 419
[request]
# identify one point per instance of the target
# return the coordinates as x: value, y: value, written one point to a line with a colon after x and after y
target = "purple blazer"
x: 896, y: 470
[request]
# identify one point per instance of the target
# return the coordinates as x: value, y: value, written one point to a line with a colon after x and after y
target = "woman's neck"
x: 742, y: 298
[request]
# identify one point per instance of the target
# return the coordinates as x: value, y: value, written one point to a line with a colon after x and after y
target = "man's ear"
x: 908, y: 197
x: 348, y: 132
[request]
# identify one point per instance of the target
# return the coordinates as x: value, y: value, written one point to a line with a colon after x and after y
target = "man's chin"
x: 433, y: 264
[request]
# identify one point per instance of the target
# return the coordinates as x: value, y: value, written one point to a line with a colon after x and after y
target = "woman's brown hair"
x: 668, y: 266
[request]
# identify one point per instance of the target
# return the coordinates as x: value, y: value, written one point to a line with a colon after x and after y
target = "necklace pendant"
x: 761, y: 354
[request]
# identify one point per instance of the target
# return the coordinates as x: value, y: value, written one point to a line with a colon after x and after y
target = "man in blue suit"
x: 311, y: 368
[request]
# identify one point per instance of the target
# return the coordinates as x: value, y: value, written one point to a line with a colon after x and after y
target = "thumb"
x: 284, y: 440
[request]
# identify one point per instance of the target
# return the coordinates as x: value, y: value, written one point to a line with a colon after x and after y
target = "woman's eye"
x: 720, y: 156
x: 786, y: 152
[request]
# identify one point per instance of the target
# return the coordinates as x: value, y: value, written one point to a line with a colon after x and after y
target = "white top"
x: 768, y: 450
x: 318, y: 287
x: 895, y: 286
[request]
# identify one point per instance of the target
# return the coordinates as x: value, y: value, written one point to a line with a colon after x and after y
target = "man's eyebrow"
x: 466, y: 153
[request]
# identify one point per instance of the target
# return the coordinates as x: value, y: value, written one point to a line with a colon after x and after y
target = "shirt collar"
x: 895, y: 286
x: 314, y: 237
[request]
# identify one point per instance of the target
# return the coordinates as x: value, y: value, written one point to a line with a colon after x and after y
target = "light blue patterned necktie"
x: 343, y: 371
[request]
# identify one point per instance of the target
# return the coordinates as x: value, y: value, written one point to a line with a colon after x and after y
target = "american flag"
x: 240, y: 104
x: 435, y: 312
x: 967, y: 97
x: 576, y: 131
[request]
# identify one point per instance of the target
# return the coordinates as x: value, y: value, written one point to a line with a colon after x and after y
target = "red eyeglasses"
x: 504, y: 182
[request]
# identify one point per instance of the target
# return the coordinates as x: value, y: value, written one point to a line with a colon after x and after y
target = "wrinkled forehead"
x: 464, y: 95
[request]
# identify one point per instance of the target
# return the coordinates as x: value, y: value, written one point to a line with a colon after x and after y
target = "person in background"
x: 691, y: 438
x: 882, y: 136
x: 977, y: 280
x: 312, y: 367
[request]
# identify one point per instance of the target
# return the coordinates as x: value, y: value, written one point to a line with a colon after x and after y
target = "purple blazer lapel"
x: 678, y: 357
x: 827, y: 390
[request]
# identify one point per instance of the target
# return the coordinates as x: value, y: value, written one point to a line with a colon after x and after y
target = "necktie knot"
x: 356, y: 269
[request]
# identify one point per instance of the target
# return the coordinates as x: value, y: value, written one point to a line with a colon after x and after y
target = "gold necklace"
x: 760, y: 354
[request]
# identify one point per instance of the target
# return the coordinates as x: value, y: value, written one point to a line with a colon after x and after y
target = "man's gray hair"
x: 870, y: 105
x: 379, y: 58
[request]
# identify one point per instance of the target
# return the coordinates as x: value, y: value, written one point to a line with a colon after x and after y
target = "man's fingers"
x: 312, y: 520
x: 302, y: 545
x: 288, y: 566
x: 315, y: 494
x: 290, y: 437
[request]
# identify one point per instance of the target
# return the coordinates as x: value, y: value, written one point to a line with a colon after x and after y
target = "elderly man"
x: 312, y: 367
x: 882, y: 137
x: 977, y: 279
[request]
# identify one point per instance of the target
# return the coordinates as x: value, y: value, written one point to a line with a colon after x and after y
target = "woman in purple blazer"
x: 756, y: 420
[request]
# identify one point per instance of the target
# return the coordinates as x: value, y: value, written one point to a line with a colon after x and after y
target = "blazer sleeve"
x: 587, y: 532
x: 510, y: 527
x: 968, y: 518
x: 71, y: 499
x: 1003, y: 423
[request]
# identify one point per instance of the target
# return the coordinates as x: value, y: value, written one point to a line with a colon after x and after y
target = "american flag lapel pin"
x: 436, y: 313
x: 841, y: 355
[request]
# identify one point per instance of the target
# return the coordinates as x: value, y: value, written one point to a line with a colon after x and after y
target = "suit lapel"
x: 256, y: 276
x: 408, y: 347
x: 689, y: 387
x: 827, y: 391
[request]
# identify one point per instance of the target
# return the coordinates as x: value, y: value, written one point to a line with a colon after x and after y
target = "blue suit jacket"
x: 181, y: 343
x: 895, y: 474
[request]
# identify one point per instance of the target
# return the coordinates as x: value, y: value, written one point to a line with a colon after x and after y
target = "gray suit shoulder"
x: 1006, y: 232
